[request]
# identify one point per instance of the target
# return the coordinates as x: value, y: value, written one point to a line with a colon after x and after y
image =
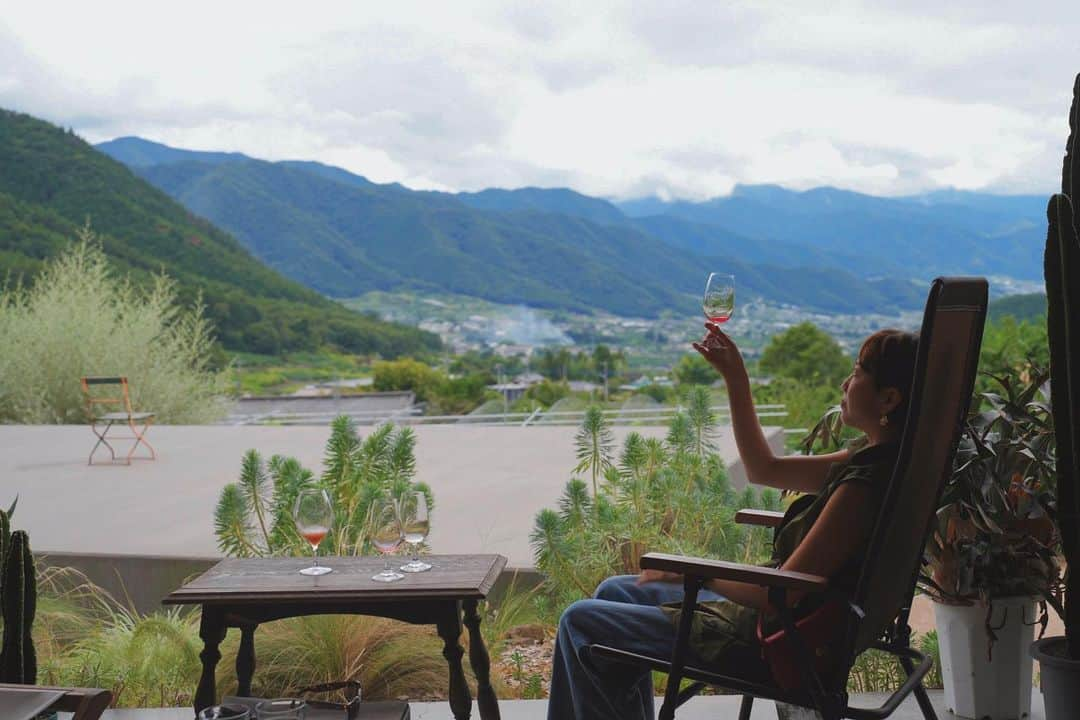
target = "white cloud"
x: 677, y: 98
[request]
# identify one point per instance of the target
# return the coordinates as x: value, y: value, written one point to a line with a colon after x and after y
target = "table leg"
x: 481, y: 665
x: 212, y: 632
x: 449, y: 627
x: 245, y: 660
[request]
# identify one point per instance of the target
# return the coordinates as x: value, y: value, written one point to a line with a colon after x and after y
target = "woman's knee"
x: 615, y: 588
x: 572, y: 617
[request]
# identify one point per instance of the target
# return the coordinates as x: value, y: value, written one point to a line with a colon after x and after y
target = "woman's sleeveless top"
x: 725, y: 632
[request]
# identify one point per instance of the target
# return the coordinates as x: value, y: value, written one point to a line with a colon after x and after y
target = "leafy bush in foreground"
x: 254, y: 516
x: 667, y: 495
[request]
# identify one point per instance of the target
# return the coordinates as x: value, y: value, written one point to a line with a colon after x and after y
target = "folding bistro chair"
x: 102, y: 421
x: 876, y: 614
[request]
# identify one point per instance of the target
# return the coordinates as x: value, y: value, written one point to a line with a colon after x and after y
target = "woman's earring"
x: 884, y: 421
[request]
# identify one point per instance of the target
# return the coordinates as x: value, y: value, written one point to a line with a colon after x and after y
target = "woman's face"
x: 863, y: 403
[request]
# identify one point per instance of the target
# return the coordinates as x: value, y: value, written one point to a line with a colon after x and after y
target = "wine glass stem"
x: 415, y: 553
x: 315, y: 556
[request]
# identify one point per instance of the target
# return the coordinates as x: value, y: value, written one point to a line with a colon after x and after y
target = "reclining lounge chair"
x: 945, y: 370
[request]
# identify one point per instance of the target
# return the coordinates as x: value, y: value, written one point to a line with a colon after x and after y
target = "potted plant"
x: 992, y: 553
x: 1059, y: 657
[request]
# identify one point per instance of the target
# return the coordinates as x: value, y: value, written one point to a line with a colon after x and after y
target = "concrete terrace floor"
x: 700, y: 708
x: 489, y: 483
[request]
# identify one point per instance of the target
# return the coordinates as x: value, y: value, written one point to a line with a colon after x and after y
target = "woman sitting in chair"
x: 823, y: 533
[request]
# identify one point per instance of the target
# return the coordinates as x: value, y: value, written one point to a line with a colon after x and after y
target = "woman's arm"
x: 844, y: 525
x: 798, y: 473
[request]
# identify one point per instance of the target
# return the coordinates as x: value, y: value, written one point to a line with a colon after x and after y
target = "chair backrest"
x: 945, y: 369
x: 91, y: 391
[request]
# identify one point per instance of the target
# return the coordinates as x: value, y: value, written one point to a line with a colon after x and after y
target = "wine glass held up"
x: 387, y: 536
x: 313, y: 516
x: 719, y: 301
x: 416, y: 523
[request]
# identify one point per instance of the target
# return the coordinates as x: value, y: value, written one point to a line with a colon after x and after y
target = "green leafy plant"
x: 388, y: 658
x: 593, y: 443
x: 534, y: 687
x: 878, y: 672
x: 994, y: 535
x: 669, y: 495
x: 253, y: 516
x: 145, y: 660
x: 86, y: 638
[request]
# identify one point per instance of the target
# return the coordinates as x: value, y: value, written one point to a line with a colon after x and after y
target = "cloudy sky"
x: 623, y: 99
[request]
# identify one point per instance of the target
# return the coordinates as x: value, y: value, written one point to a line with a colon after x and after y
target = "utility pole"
x: 502, y: 389
x: 605, y: 381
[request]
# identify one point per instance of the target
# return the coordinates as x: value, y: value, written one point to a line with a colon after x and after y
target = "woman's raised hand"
x: 721, y: 351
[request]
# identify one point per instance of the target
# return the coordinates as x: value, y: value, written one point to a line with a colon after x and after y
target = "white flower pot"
x: 1060, y: 678
x: 976, y: 686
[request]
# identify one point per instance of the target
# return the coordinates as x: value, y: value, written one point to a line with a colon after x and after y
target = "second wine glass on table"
x: 416, y: 524
x: 313, y: 515
x: 387, y: 536
x: 719, y: 300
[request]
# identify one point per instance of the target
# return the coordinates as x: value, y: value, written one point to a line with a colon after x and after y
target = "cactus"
x: 1062, y: 272
x: 1070, y: 168
x: 5, y: 539
x: 18, y: 662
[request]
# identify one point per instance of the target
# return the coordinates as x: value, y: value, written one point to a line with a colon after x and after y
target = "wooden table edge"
x: 200, y: 596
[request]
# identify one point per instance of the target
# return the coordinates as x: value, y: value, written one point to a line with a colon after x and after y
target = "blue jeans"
x: 624, y: 615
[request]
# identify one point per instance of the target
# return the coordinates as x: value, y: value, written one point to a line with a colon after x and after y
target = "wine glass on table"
x: 224, y: 712
x: 281, y: 709
x: 416, y: 523
x: 719, y: 301
x: 387, y: 536
x: 313, y: 516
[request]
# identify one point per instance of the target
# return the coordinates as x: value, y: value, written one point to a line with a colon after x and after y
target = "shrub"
x: 86, y: 638
x: 407, y: 374
x: 78, y: 319
x: 658, y: 495
x: 254, y: 516
x: 388, y: 658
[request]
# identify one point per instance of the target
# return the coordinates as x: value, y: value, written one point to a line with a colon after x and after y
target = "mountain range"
x: 823, y: 249
x: 52, y: 182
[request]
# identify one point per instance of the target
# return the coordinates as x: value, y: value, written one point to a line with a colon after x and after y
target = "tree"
x: 694, y: 370
x: 547, y: 393
x: 407, y: 374
x: 806, y: 353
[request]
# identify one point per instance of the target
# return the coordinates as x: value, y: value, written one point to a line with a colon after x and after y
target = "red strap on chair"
x: 818, y: 631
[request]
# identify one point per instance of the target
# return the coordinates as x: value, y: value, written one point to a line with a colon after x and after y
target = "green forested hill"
x: 344, y: 236
x: 51, y: 182
x: 1026, y: 307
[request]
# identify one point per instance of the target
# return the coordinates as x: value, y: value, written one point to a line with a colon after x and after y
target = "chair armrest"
x: 85, y: 703
x: 718, y: 569
x: 765, y: 518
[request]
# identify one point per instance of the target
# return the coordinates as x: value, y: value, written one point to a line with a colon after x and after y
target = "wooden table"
x: 242, y: 593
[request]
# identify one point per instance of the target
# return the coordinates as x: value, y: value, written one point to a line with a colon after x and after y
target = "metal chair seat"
x: 124, y: 416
